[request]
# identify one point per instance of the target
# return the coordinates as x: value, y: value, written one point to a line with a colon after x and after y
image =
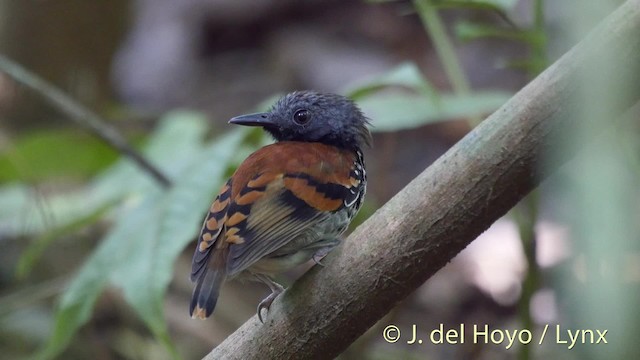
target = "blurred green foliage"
x: 404, y: 99
x: 600, y: 285
x: 150, y: 226
x: 49, y: 154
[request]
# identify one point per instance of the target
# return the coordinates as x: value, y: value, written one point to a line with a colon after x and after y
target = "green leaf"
x: 502, y: 5
x: 146, y: 273
x: 24, y: 211
x: 467, y: 31
x: 404, y: 75
x: 392, y: 112
x: 151, y: 229
x: 77, y: 302
x: 35, y: 250
x: 177, y: 139
x: 151, y: 225
x: 13, y: 198
x: 42, y: 155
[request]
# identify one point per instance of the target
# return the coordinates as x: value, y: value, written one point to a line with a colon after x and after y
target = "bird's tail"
x: 205, y: 294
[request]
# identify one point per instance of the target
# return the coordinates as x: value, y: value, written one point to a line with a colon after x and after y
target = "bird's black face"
x: 313, y: 117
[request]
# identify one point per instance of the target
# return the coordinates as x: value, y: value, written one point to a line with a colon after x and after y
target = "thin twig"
x: 445, y: 50
x: 503, y: 15
x: 530, y: 205
x: 443, y: 45
x: 80, y: 114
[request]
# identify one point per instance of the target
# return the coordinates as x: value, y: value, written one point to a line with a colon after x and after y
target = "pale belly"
x: 322, y: 237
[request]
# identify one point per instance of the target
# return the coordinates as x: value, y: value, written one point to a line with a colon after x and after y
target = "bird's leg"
x: 276, y: 289
x: 323, y: 251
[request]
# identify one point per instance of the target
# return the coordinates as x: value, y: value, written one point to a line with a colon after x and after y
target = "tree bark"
x: 442, y: 210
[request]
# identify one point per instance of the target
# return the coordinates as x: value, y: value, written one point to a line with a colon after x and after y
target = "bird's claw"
x: 322, y: 252
x: 266, y: 304
x: 276, y: 289
x: 317, y: 257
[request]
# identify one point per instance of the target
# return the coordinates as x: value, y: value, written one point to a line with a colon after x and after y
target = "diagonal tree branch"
x: 443, y: 209
x: 80, y: 115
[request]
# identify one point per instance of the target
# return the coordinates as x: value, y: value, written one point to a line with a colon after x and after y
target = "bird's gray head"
x: 313, y: 117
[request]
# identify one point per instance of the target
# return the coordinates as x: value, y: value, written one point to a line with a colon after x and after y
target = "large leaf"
x: 24, y: 211
x: 171, y: 147
x: 40, y: 243
x: 404, y: 75
x: 78, y: 300
x: 419, y: 104
x: 502, y: 5
x: 42, y: 155
x: 151, y: 227
x: 467, y: 31
x: 146, y: 272
x: 392, y: 112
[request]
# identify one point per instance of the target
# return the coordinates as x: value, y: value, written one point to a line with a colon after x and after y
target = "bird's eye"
x: 301, y: 117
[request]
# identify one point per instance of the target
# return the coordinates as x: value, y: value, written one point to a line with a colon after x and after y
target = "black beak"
x: 258, y: 119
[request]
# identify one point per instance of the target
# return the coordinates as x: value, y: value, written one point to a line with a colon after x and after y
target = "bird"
x: 288, y: 202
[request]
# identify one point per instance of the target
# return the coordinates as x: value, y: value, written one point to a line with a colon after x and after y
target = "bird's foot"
x: 319, y: 256
x: 276, y: 289
x: 266, y: 303
x: 323, y: 251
